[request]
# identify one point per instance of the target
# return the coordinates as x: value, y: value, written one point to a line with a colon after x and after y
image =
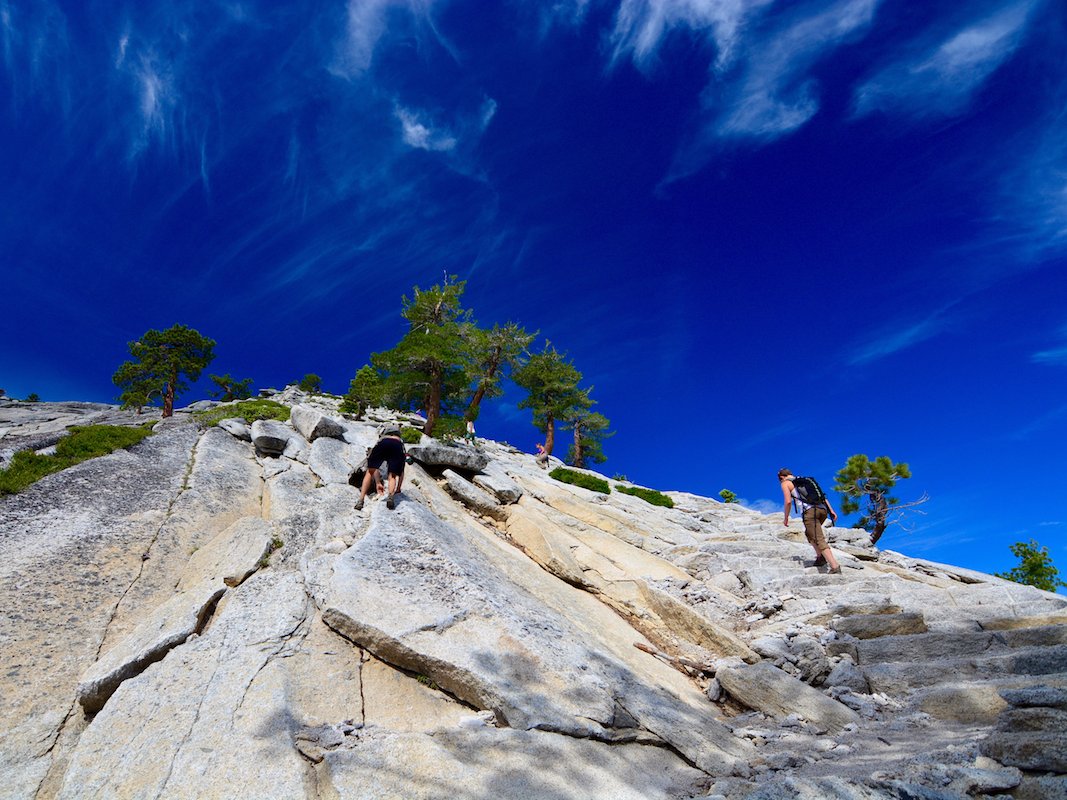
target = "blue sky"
x: 770, y: 234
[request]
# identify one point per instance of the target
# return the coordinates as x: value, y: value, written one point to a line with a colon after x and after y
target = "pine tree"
x: 229, y: 388
x: 492, y: 353
x: 162, y: 363
x: 1035, y: 567
x: 430, y: 366
x: 365, y: 390
x: 590, y: 430
x: 310, y: 383
x: 869, y: 483
x: 552, y: 383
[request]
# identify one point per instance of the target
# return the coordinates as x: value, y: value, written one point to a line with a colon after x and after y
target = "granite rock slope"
x: 202, y: 616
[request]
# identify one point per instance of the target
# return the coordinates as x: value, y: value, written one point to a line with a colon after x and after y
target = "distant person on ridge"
x: 389, y: 450
x: 813, y: 513
x: 469, y: 435
x: 542, y: 456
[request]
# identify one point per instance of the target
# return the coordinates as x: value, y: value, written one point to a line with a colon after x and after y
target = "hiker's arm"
x: 830, y: 508
x: 787, y: 489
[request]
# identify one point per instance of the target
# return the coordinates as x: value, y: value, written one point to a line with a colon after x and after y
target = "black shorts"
x: 389, y: 450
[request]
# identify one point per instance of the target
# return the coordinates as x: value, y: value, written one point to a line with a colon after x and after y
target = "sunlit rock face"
x: 207, y: 615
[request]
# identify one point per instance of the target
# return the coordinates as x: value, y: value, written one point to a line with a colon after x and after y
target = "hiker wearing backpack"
x: 813, y: 506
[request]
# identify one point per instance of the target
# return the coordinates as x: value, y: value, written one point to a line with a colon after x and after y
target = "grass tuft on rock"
x: 410, y: 435
x: 248, y: 410
x: 648, y: 495
x: 580, y: 479
x: 82, y: 443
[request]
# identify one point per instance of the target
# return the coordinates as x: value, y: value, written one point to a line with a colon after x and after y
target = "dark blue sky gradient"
x: 770, y: 234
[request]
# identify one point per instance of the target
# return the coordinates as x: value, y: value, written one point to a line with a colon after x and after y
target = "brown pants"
x: 813, y: 519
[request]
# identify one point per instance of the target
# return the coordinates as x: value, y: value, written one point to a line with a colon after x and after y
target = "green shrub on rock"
x: 580, y: 479
x: 83, y: 442
x: 248, y: 410
x: 648, y: 495
x: 410, y: 435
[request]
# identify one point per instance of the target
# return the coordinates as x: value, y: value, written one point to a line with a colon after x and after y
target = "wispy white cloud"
x: 7, y: 29
x: 366, y: 24
x: 419, y: 130
x: 776, y: 94
x: 1039, y: 423
x: 942, y: 77
x: 760, y: 85
x: 1057, y: 354
x: 37, y: 54
x: 772, y: 433
x: 421, y: 135
x: 1033, y: 195
x: 642, y: 25
x: 893, y: 340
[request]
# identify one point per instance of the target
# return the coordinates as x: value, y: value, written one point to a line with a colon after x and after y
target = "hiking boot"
x: 390, y: 503
x: 359, y: 504
x: 835, y: 571
x: 820, y: 561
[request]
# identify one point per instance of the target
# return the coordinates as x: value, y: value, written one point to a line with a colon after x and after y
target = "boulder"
x: 810, y: 657
x: 497, y: 482
x: 270, y: 437
x: 235, y: 426
x: 456, y: 456
x: 313, y: 424
x: 477, y: 500
x: 848, y: 675
x: 766, y: 688
x: 332, y: 460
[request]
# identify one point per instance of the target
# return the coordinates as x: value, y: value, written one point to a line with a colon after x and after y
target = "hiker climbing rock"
x: 542, y: 456
x: 813, y: 506
x: 390, y: 451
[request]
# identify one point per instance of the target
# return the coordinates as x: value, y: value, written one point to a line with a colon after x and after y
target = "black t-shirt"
x: 389, y: 449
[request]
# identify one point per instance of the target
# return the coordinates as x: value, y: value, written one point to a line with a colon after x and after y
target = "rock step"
x: 895, y: 678
x: 980, y: 702
x: 745, y: 549
x: 939, y: 646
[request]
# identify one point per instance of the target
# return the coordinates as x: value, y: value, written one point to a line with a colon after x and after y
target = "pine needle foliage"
x: 367, y: 389
x: 552, y: 383
x: 868, y: 484
x: 430, y: 366
x: 162, y: 364
x: 228, y: 388
x: 1035, y: 567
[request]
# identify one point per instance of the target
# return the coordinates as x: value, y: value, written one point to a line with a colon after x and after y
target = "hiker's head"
x: 392, y: 432
x: 783, y: 474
